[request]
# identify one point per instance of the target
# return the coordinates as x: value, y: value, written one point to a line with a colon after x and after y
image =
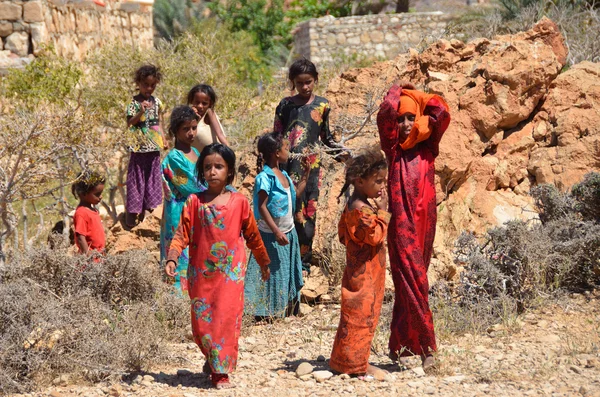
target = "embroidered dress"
x: 179, y: 181
x: 88, y: 223
x: 144, y: 190
x: 216, y: 272
x: 363, y: 233
x: 304, y: 126
x: 413, y: 206
x: 273, y: 298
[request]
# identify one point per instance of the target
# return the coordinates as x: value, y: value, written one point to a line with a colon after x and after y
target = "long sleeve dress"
x: 179, y: 181
x: 215, y: 235
x: 304, y: 126
x: 414, y: 214
x: 363, y: 232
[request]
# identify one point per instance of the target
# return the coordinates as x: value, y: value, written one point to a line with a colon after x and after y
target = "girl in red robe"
x: 411, y: 124
x: 214, y: 224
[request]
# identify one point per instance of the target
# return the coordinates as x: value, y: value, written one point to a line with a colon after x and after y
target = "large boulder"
x: 516, y: 122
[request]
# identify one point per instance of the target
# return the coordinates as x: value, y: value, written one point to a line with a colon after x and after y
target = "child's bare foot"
x: 428, y: 362
x: 221, y: 381
x: 377, y: 373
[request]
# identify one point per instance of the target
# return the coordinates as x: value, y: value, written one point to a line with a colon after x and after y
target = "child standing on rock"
x: 274, y: 201
x: 304, y: 120
x: 144, y: 187
x: 362, y: 229
x: 89, y: 231
x: 214, y: 224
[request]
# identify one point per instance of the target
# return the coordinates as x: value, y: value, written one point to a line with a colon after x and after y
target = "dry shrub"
x: 62, y: 314
x: 520, y: 264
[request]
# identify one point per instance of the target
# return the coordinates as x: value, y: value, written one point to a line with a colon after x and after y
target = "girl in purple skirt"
x: 144, y: 183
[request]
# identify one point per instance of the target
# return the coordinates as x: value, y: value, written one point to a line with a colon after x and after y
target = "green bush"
x: 46, y: 78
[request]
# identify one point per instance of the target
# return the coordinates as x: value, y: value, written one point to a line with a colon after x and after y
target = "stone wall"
x: 379, y: 36
x: 73, y: 27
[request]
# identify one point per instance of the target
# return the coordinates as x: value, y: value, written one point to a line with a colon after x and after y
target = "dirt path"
x: 554, y: 351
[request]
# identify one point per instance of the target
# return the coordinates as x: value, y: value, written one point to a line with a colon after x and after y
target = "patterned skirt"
x: 271, y: 298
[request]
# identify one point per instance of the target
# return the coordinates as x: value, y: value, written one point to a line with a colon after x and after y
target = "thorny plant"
x: 62, y: 314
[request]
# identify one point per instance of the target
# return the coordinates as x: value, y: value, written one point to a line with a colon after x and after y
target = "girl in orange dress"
x: 214, y: 224
x: 362, y: 229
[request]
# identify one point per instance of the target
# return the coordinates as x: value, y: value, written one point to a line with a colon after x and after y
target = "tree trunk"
x: 402, y: 6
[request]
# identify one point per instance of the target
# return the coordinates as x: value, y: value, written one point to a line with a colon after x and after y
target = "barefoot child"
x: 304, y: 120
x: 214, y: 224
x: 411, y: 124
x: 362, y: 229
x: 89, y: 232
x: 179, y: 181
x: 144, y: 190
x: 202, y: 99
x: 274, y: 202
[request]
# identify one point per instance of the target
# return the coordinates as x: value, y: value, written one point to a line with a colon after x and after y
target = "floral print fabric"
x: 179, y: 181
x: 304, y: 126
x: 146, y: 131
x: 363, y: 233
x: 215, y: 235
x: 411, y: 232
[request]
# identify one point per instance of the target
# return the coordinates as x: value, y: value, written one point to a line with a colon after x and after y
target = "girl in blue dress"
x: 179, y: 181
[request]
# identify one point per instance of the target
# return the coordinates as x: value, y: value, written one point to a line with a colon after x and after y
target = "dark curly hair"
x: 364, y: 165
x: 85, y: 182
x: 268, y: 144
x: 204, y: 88
x: 146, y: 71
x: 223, y: 151
x: 302, y: 66
x: 180, y: 115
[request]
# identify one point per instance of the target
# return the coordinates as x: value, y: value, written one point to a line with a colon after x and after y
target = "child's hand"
x: 145, y: 105
x: 281, y: 238
x: 265, y: 273
x: 170, y: 268
x: 382, y: 201
x: 306, y: 165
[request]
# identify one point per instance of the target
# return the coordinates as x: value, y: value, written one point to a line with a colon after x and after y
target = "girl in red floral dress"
x: 214, y: 224
x: 411, y: 124
x: 304, y: 120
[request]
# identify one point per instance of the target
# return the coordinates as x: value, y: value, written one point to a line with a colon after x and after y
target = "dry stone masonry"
x: 73, y: 27
x: 380, y: 36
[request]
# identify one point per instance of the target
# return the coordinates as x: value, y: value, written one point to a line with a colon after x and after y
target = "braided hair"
x: 85, y: 182
x: 268, y: 144
x: 364, y: 165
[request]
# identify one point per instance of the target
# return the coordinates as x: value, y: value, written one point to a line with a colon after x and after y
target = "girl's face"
x: 283, y: 154
x: 304, y: 84
x: 147, y: 86
x: 405, y: 125
x: 94, y: 196
x: 215, y: 171
x: 187, y: 132
x: 373, y: 185
x: 201, y: 103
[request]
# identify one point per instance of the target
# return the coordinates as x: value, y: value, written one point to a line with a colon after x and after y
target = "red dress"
x: 216, y: 271
x: 89, y: 224
x: 363, y: 232
x: 412, y: 228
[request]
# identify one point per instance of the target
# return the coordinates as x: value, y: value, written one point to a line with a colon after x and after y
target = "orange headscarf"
x: 412, y: 101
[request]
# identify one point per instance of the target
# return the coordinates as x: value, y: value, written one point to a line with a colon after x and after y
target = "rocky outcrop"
x: 516, y: 121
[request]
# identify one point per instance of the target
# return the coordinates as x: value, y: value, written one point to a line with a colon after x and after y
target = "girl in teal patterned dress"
x: 179, y: 181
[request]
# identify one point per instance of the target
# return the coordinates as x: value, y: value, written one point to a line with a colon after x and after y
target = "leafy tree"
x: 173, y: 17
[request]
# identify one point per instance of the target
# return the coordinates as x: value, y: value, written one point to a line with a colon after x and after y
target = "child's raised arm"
x: 369, y: 227
x: 182, y: 236
x: 215, y: 125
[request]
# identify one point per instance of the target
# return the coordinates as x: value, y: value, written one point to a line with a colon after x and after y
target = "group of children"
x: 205, y: 220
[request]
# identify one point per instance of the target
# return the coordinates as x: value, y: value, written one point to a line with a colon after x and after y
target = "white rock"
x: 418, y: 371
x: 18, y: 43
x: 322, y: 376
x: 304, y: 369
